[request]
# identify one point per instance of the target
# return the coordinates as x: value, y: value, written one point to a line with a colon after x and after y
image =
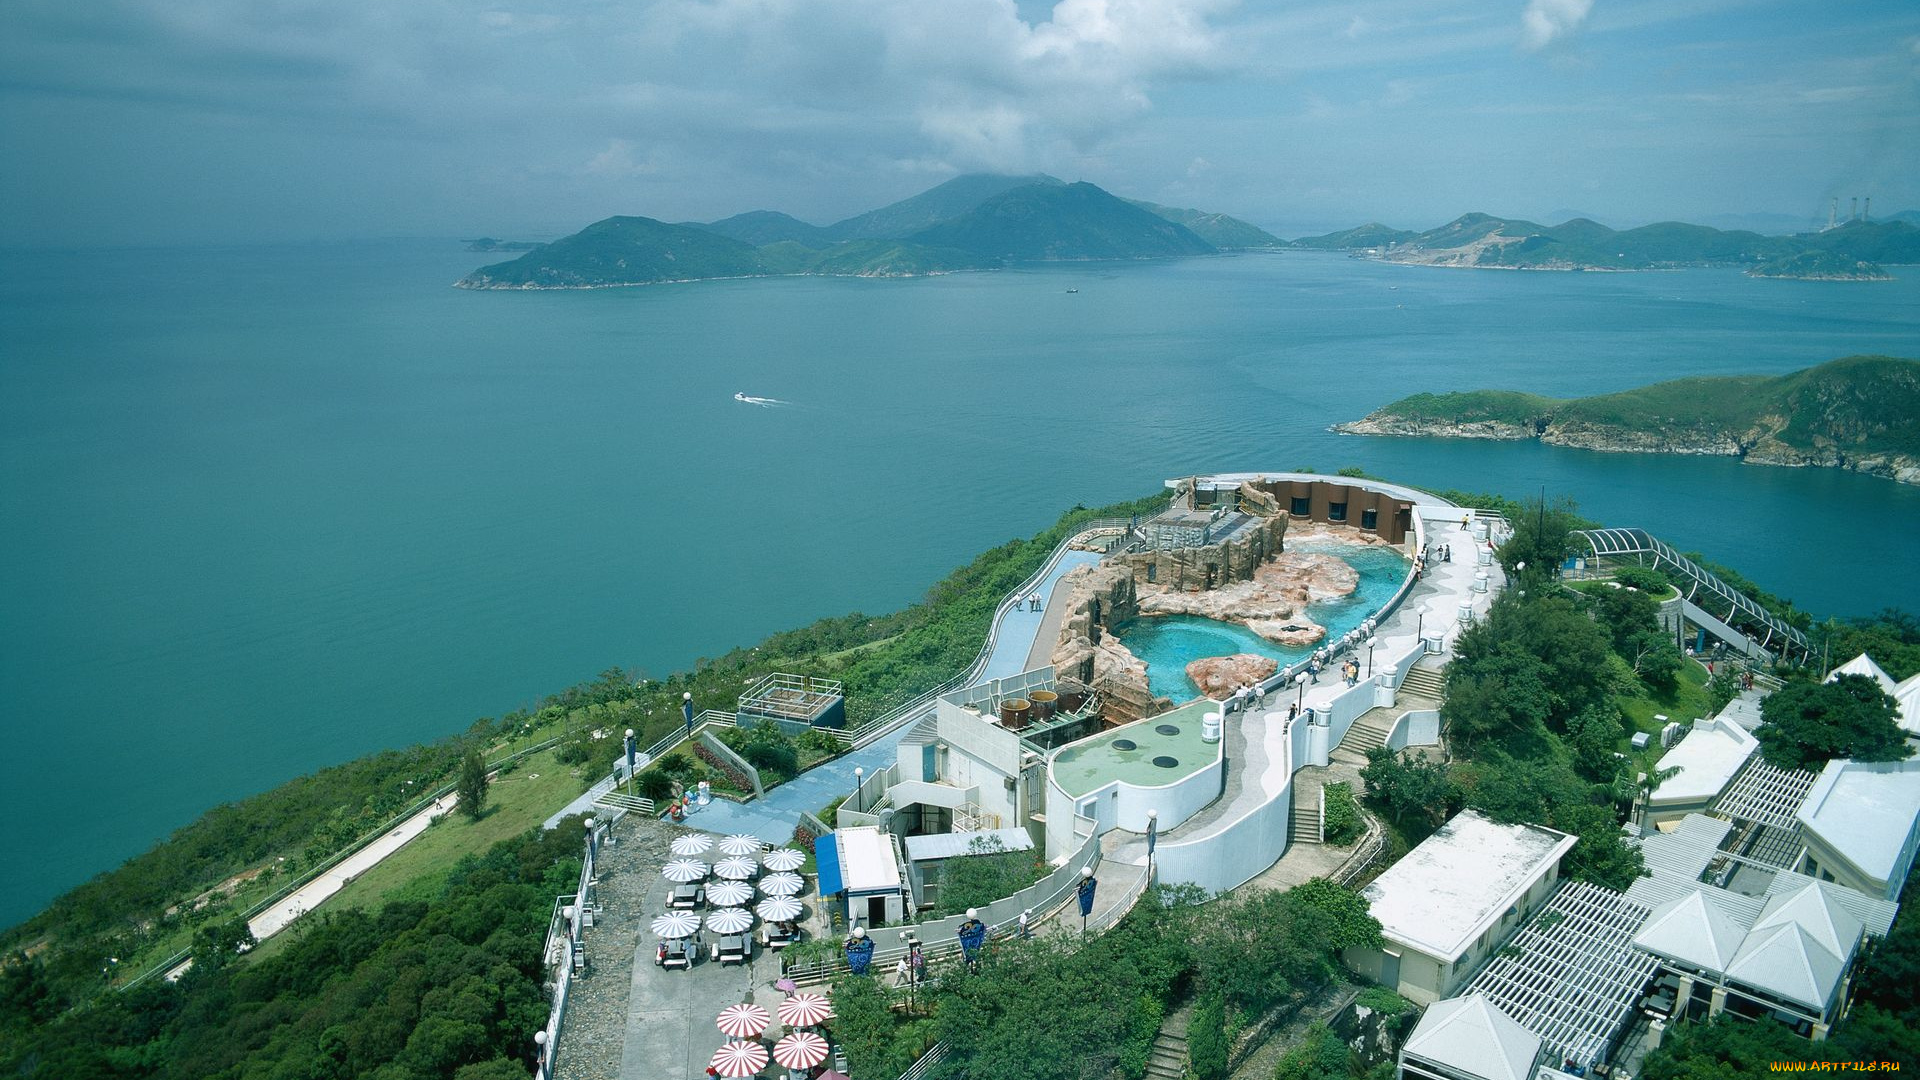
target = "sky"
x: 235, y: 121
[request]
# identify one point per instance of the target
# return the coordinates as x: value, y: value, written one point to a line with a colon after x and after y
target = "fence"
x: 568, y: 924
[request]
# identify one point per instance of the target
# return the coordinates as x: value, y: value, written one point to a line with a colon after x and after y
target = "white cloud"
x: 1548, y: 21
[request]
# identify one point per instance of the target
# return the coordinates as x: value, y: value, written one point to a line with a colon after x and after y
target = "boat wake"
x: 763, y: 402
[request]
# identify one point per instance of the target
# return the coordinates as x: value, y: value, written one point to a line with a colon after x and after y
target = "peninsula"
x: 973, y: 222
x: 1851, y: 251
x: 1860, y: 413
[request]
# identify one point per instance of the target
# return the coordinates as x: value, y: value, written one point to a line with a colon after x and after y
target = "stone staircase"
x: 1424, y: 683
x: 1306, y: 826
x: 1423, y: 688
x: 1168, y: 1058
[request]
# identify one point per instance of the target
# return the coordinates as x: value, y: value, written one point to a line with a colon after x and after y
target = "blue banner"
x: 973, y: 934
x: 1086, y: 896
x: 860, y: 955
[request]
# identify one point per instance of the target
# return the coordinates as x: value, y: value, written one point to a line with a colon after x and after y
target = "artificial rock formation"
x: 1219, y: 676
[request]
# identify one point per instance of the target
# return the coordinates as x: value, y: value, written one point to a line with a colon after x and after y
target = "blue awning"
x: 826, y: 859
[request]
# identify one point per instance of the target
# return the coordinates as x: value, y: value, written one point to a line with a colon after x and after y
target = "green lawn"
x: 1687, y: 702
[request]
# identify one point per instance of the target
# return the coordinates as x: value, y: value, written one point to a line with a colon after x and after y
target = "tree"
x: 1602, y: 854
x: 1591, y: 736
x: 1542, y: 539
x: 1412, y: 791
x: 1207, y: 1039
x: 1320, y: 1055
x: 471, y: 786
x: 1343, y: 911
x: 1809, y: 724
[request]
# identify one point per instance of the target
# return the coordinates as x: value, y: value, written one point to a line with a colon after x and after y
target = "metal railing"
x: 1371, y: 847
x: 1698, y: 585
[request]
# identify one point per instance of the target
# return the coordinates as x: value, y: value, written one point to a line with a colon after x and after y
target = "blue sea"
x: 269, y: 508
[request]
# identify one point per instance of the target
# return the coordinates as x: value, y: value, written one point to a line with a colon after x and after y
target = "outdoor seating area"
x: 803, y: 1048
x: 724, y: 889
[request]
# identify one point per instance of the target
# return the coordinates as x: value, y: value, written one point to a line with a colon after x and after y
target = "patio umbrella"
x: 781, y: 884
x: 782, y: 859
x: 731, y: 920
x: 736, y: 868
x: 742, y: 844
x: 685, y: 871
x: 800, y: 1050
x: 743, y: 1021
x: 729, y: 893
x: 691, y: 844
x: 739, y: 1059
x: 785, y: 986
x: 676, y: 924
x: 805, y: 1010
x: 779, y: 908
x: 831, y: 1075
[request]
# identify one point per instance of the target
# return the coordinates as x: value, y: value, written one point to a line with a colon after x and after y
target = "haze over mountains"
x: 972, y: 222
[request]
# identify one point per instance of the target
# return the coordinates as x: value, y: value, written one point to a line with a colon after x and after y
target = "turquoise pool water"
x: 1170, y: 642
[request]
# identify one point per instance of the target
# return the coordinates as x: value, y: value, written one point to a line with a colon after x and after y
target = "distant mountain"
x: 1860, y: 413
x: 1223, y: 232
x: 1820, y: 266
x: 1911, y: 217
x: 762, y: 227
x: 933, y: 206
x: 1371, y: 235
x: 1072, y: 221
x: 622, y: 251
x: 1482, y: 240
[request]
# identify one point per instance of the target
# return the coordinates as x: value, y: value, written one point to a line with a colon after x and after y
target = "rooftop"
x: 954, y: 844
x: 1448, y: 890
x: 1795, y: 947
x: 1708, y: 759
x: 1765, y: 794
x: 866, y: 859
x: 1471, y: 1035
x: 1866, y: 812
x: 1864, y: 665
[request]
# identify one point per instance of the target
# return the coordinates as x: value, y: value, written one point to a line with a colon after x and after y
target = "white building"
x: 1708, y: 757
x: 1454, y: 900
x: 1469, y: 1038
x: 1861, y: 825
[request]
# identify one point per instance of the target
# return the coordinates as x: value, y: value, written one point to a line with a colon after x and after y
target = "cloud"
x: 1548, y: 21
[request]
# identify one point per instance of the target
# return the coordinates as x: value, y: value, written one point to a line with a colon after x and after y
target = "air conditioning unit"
x: 1672, y: 733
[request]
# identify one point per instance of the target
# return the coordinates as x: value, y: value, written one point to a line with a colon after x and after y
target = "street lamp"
x: 590, y: 851
x: 1420, y: 630
x: 858, y: 773
x: 1371, y: 642
x: 1299, y: 704
x: 1520, y: 568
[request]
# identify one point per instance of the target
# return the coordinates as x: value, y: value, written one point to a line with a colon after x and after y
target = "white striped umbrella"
x: 739, y: 1059
x: 731, y: 920
x: 676, y: 924
x: 781, y: 884
x: 783, y: 859
x: 743, y: 1021
x: 729, y: 893
x: 742, y: 844
x: 805, y: 1010
x: 685, y: 871
x: 736, y: 868
x: 800, y: 1050
x: 778, y: 908
x: 691, y: 844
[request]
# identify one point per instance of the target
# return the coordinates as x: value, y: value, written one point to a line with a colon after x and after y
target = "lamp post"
x: 1300, y: 703
x: 858, y: 774
x: 590, y: 850
x: 540, y: 1053
x: 1420, y: 626
x: 629, y: 761
x: 1371, y: 642
x: 1520, y: 568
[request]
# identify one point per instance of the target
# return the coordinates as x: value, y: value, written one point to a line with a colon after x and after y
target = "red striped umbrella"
x: 743, y: 1021
x: 739, y: 1059
x: 805, y: 1010
x: 800, y: 1050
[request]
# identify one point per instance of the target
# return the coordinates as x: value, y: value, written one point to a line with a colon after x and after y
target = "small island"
x: 1860, y: 413
x: 1820, y: 266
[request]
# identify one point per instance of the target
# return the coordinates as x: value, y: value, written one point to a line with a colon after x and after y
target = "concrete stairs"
x: 1167, y: 1060
x: 1424, y: 683
x: 1369, y: 731
x: 1306, y: 827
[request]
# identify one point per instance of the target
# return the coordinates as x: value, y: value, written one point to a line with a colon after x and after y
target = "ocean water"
x: 265, y: 509
x: 1167, y: 643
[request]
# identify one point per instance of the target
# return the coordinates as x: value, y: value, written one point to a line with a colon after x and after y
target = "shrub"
x: 1207, y: 1040
x: 1645, y: 578
x: 655, y: 784
x: 1343, y: 825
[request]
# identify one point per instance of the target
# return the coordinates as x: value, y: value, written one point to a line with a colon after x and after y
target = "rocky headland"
x: 1859, y: 413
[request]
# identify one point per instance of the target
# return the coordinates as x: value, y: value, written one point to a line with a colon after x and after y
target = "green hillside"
x: 1820, y: 265
x: 1833, y: 414
x: 1371, y: 235
x: 931, y: 207
x: 622, y: 251
x: 1223, y: 232
x: 1073, y: 221
x: 893, y: 258
x: 762, y: 227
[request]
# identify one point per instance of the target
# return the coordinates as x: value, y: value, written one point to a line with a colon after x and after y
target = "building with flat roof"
x: 862, y: 865
x: 1455, y: 899
x: 1861, y: 824
x: 1708, y: 757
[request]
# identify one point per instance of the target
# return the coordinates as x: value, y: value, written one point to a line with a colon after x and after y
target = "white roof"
x: 1708, y: 758
x: 1470, y: 1034
x: 1786, y: 961
x: 1815, y: 909
x: 1446, y: 892
x: 950, y: 845
x: 866, y: 860
x: 1907, y: 695
x: 1695, y: 930
x: 1864, y: 665
x: 1866, y: 811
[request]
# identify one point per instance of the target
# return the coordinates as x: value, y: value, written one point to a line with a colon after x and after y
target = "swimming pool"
x: 1166, y: 644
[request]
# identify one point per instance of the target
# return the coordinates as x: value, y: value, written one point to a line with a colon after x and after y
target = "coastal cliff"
x: 1860, y: 413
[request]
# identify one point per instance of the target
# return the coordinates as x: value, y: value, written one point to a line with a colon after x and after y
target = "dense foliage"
x: 1343, y: 824
x: 988, y: 872
x: 1809, y: 724
x: 1890, y: 636
x: 449, y: 988
x: 471, y: 785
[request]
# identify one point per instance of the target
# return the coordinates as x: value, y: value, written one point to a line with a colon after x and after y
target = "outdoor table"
x: 684, y: 896
x: 733, y: 949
